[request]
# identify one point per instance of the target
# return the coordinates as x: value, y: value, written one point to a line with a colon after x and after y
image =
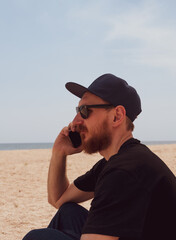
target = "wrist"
x: 58, y: 156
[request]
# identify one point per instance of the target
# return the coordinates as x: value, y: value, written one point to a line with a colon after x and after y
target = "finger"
x: 72, y: 127
x: 69, y: 126
x: 65, y: 131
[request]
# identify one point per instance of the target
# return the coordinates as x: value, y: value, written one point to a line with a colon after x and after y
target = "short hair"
x: 129, y: 124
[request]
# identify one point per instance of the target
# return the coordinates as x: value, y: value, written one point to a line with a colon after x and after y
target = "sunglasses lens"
x: 83, y: 111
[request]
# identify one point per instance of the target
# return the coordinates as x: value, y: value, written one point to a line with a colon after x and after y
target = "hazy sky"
x: 44, y: 44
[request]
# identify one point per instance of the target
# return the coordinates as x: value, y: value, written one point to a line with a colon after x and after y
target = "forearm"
x: 57, y: 178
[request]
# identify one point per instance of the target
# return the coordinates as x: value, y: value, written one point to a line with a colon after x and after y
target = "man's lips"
x: 81, y: 129
x: 83, y: 134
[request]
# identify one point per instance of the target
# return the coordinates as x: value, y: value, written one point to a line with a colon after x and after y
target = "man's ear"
x: 119, y: 115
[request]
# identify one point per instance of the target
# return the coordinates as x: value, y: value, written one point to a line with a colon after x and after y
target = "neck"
x: 117, y: 142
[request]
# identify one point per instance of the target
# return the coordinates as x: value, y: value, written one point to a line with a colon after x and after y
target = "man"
x: 133, y: 192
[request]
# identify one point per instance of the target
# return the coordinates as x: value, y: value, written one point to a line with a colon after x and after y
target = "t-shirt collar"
x: 126, y: 145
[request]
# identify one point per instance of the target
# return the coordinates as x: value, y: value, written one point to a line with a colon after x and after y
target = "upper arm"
x: 73, y: 194
x: 98, y: 237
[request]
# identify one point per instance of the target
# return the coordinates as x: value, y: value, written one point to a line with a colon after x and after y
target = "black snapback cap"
x: 113, y: 90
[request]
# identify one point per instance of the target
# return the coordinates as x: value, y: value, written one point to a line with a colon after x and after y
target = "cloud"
x: 143, y: 30
x: 152, y: 40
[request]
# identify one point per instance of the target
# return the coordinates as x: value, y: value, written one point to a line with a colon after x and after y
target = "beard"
x: 100, y: 139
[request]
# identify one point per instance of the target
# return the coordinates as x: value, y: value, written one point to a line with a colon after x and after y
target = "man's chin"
x: 93, y: 144
x: 96, y: 141
x: 89, y: 146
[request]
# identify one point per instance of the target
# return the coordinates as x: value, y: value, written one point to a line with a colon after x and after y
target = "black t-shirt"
x: 134, y: 195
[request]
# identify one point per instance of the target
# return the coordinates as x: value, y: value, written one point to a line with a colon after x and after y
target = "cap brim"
x: 76, y: 89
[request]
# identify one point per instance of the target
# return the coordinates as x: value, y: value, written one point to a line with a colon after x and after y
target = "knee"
x: 71, y: 209
x: 67, y: 208
x: 43, y: 234
x: 36, y: 234
x: 31, y: 235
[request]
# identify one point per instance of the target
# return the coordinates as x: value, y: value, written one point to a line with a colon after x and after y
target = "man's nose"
x: 78, y: 120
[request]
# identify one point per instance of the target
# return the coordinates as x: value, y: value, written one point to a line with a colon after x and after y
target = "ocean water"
x: 25, y: 146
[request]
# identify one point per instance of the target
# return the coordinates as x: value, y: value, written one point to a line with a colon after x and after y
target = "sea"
x: 26, y: 146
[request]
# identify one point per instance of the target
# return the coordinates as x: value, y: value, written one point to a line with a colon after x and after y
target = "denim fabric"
x: 67, y: 224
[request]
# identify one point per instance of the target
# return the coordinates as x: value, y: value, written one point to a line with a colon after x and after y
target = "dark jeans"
x: 67, y: 224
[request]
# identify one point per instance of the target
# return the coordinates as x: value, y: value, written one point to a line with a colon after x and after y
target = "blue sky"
x: 44, y: 44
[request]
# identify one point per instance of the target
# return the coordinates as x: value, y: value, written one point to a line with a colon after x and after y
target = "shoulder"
x: 136, y: 156
x: 140, y: 164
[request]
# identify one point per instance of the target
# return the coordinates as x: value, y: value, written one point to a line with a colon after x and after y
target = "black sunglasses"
x: 84, y: 109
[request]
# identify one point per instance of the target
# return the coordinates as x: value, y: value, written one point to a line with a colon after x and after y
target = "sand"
x: 23, y: 186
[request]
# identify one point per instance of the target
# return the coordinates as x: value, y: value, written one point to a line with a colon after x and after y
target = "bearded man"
x: 133, y: 192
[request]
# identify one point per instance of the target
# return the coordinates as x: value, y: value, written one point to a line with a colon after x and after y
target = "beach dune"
x: 23, y: 186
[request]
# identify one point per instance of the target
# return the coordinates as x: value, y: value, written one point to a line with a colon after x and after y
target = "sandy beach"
x: 23, y: 186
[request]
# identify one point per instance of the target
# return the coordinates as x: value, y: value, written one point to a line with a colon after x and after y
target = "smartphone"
x: 75, y: 139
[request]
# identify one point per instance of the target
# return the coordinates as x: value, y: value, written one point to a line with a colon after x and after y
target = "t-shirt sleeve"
x: 119, y: 206
x: 88, y: 181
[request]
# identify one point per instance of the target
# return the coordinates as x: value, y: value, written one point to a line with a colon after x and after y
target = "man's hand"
x: 63, y: 145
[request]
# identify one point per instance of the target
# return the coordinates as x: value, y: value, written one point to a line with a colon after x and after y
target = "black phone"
x: 75, y: 139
